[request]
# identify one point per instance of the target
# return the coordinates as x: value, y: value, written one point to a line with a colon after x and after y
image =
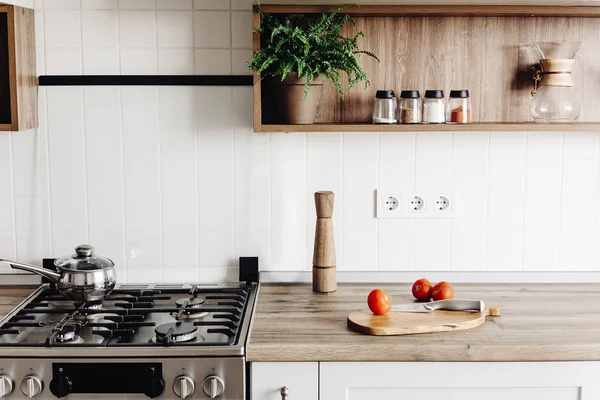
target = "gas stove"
x: 157, y: 341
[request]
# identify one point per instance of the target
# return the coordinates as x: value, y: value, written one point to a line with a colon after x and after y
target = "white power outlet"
x: 440, y: 204
x: 415, y: 204
x: 388, y: 205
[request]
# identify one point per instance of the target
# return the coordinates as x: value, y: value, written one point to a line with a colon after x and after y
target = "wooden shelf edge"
x: 442, y: 11
x: 474, y: 127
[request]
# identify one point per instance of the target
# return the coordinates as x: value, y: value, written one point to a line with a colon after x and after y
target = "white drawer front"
x: 459, y: 381
x: 301, y: 379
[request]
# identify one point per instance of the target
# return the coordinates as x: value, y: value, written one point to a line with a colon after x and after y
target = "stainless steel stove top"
x: 211, y: 319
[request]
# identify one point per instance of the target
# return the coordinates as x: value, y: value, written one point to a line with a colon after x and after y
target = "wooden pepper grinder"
x: 324, y: 280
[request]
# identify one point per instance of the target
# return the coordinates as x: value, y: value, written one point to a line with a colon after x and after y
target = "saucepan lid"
x: 84, y: 259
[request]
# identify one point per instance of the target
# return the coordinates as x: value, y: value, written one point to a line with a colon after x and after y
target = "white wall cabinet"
x: 301, y: 378
x: 460, y: 381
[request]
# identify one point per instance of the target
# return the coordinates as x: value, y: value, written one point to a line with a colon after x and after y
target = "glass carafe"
x: 555, y: 100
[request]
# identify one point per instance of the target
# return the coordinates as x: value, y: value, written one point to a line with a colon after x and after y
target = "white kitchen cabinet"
x: 460, y: 381
x: 301, y: 379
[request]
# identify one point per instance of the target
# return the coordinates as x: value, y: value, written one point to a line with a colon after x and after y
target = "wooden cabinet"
x: 301, y: 379
x: 460, y: 381
x: 18, y: 78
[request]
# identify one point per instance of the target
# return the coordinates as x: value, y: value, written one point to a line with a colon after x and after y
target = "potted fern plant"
x: 300, y: 53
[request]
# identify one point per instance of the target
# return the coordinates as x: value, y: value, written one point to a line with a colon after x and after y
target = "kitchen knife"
x: 449, y: 305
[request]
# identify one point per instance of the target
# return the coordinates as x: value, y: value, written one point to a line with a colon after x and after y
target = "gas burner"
x: 191, y: 303
x: 89, y: 305
x: 175, y: 332
x: 68, y: 334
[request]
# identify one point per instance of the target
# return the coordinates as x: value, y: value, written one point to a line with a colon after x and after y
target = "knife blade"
x: 449, y: 305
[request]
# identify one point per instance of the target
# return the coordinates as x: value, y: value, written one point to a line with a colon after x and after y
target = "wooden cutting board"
x: 405, y: 323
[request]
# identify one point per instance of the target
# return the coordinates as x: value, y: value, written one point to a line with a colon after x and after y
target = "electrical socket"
x: 388, y: 204
x: 441, y: 204
x: 416, y: 204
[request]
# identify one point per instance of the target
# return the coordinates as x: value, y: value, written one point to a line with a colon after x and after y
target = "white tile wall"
x: 172, y: 183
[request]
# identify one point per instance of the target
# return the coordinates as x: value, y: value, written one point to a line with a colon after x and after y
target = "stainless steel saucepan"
x: 80, y: 277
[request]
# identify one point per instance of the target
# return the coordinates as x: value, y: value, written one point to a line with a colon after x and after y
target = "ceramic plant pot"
x: 292, y: 107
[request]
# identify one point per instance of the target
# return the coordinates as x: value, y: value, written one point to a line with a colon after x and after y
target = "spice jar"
x: 434, y: 111
x: 458, y: 110
x: 410, y: 107
x: 384, y: 107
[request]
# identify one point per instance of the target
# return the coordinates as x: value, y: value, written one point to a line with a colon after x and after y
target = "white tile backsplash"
x: 174, y: 4
x: 213, y: 29
x: 542, y: 198
x: 172, y: 183
x: 101, y: 61
x: 63, y: 61
x: 176, y: 61
x: 241, y: 24
x: 175, y: 29
x: 506, y: 200
x: 137, y: 29
x: 99, y: 4
x: 579, y: 199
x: 139, y: 62
x: 100, y: 28
x: 211, y: 4
x: 213, y: 61
x: 62, y: 28
x: 360, y: 169
x: 7, y: 214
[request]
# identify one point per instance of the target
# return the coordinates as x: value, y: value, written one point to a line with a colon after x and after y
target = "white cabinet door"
x: 301, y: 379
x: 460, y: 381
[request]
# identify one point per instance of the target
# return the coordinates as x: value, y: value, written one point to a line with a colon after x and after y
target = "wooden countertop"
x: 539, y: 322
x: 10, y: 296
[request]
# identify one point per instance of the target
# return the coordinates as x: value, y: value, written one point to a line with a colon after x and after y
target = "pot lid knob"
x: 84, y: 250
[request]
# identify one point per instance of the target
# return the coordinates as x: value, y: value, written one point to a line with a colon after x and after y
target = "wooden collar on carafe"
x: 557, y: 72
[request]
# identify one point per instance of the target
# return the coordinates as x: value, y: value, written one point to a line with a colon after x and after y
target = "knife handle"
x: 456, y: 305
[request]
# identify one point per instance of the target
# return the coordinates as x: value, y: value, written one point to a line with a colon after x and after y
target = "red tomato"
x: 379, y: 302
x: 443, y: 291
x: 422, y: 289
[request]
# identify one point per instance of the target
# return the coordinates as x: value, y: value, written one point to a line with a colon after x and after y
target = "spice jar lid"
x: 461, y: 94
x: 385, y: 94
x: 434, y: 94
x: 410, y: 94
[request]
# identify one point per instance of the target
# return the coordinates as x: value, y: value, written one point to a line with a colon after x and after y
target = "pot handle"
x: 46, y: 273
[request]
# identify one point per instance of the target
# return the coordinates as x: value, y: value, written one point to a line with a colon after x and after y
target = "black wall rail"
x: 145, y: 80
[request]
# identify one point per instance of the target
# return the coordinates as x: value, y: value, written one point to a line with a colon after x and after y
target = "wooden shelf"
x: 436, y: 47
x: 442, y: 11
x: 474, y: 127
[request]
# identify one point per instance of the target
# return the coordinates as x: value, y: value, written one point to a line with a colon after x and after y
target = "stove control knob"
x: 154, y: 387
x: 213, y: 386
x: 6, y: 386
x: 61, y: 386
x: 184, y: 386
x: 31, y: 386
